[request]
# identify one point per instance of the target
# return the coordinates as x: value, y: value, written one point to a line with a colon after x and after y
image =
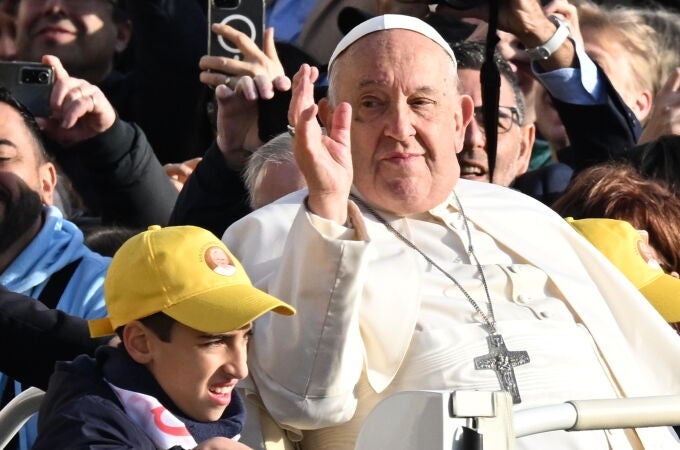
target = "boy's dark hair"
x: 107, y: 239
x: 28, y: 118
x: 161, y: 325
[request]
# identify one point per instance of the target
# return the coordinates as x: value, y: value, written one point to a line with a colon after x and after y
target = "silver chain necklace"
x: 499, y: 359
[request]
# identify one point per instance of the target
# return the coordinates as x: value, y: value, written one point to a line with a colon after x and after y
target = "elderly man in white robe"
x: 405, y: 277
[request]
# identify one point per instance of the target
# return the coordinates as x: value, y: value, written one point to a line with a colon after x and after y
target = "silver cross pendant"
x: 502, y: 361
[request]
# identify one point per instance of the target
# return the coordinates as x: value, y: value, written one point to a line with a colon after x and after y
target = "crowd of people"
x: 349, y: 176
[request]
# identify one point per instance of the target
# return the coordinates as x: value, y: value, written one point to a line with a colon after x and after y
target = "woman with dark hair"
x: 619, y: 191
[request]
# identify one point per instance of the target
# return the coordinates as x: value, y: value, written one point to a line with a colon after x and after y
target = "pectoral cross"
x: 502, y: 361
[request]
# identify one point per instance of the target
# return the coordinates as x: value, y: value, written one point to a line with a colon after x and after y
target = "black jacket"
x: 597, y: 133
x: 213, y: 197
x: 35, y: 337
x: 119, y: 177
x: 158, y: 87
x: 80, y: 410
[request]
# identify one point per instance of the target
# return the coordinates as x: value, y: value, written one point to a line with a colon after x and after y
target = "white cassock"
x: 374, y: 317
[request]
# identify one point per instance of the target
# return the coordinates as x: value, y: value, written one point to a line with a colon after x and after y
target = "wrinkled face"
x: 199, y: 371
x: 512, y: 157
x: 81, y: 33
x: 25, y: 180
x: 408, y: 119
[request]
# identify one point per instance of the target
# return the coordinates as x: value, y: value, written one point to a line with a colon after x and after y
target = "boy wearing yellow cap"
x: 183, y: 307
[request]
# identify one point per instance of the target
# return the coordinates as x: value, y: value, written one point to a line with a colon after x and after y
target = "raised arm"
x: 324, y: 159
x: 214, y: 196
x: 109, y: 161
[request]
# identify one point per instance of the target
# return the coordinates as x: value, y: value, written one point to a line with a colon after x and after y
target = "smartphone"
x: 246, y: 16
x: 30, y: 83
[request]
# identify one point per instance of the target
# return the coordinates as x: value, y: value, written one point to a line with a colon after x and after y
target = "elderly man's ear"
x: 467, y: 109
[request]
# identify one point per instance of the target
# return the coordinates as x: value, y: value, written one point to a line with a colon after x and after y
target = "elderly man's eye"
x: 422, y: 102
x: 369, y: 103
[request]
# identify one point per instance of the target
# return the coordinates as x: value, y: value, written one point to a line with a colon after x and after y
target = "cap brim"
x: 226, y: 309
x: 664, y: 294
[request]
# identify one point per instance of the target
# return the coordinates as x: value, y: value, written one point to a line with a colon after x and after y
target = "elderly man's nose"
x: 400, y: 123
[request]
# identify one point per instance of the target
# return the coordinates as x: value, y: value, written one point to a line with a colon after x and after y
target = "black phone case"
x: 246, y: 16
x: 30, y: 83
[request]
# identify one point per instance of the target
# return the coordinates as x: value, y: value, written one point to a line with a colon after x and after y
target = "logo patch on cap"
x: 218, y: 260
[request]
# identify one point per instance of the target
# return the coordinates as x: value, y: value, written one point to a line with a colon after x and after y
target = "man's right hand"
x: 528, y: 21
x: 324, y: 159
x: 238, y: 86
x: 80, y: 110
x: 263, y: 66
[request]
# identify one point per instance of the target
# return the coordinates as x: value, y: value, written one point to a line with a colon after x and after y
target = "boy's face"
x: 199, y: 371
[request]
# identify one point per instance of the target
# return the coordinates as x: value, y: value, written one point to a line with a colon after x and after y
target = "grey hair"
x: 277, y: 150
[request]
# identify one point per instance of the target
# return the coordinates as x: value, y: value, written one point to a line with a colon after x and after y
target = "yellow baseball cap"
x: 187, y: 273
x: 620, y: 243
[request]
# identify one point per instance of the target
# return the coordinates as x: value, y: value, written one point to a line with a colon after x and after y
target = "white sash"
x: 162, y: 427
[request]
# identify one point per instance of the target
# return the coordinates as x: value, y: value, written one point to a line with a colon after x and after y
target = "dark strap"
x: 491, y: 85
x: 57, y: 283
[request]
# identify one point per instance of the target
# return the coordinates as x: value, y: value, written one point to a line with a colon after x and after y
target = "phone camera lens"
x: 35, y: 76
x: 43, y: 77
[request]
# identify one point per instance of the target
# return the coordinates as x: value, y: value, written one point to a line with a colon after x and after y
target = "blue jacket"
x: 58, y: 243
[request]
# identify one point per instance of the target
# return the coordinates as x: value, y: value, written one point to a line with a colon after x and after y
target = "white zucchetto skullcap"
x: 390, y: 22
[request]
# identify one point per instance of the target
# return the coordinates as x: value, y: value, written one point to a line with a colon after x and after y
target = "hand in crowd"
x: 528, y: 21
x: 509, y: 45
x: 664, y: 118
x: 324, y: 160
x: 179, y: 172
x: 221, y: 443
x: 239, y: 84
x: 263, y: 67
x: 237, y: 131
x: 512, y: 14
x: 569, y: 13
x: 79, y: 110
